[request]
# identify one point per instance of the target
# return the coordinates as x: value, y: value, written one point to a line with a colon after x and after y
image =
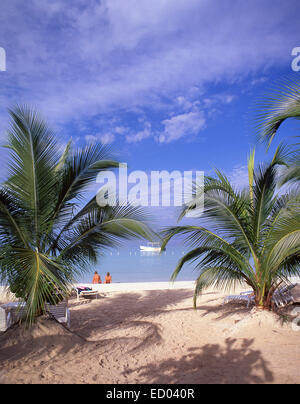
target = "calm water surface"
x: 132, y: 265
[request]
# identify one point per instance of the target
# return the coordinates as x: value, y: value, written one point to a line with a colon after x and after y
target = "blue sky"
x: 169, y: 84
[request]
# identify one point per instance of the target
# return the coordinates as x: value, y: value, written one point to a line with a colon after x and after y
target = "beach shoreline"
x: 6, y: 295
x: 138, y: 286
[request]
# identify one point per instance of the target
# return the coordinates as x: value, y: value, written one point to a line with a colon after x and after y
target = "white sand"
x: 134, y: 286
x: 154, y: 336
x: 6, y: 296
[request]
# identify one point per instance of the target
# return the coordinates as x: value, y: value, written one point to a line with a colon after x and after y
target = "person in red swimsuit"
x: 96, y: 278
x: 108, y: 278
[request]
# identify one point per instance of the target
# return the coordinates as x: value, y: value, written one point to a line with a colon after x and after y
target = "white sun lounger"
x: 60, y: 312
x: 242, y: 297
x: 86, y: 293
x: 5, y: 319
x: 281, y: 296
x: 11, y: 313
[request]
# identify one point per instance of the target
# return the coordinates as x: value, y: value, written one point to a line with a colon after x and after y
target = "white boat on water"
x: 151, y: 247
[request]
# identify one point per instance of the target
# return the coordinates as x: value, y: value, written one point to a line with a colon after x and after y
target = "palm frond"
x: 11, y: 229
x: 79, y: 171
x: 35, y: 278
x: 282, y: 103
x: 253, y: 237
x: 48, y: 234
x: 33, y: 158
x: 219, y: 277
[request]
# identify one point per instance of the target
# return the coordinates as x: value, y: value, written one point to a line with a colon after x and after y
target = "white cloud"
x: 221, y: 98
x: 104, y: 138
x: 90, y: 138
x: 120, y: 130
x: 107, y: 138
x: 100, y: 57
x: 239, y: 177
x: 183, y: 125
x: 141, y: 135
x: 184, y: 103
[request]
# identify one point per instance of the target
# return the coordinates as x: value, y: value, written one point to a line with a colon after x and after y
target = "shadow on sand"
x: 126, y: 321
x: 211, y: 363
x: 90, y: 324
x: 110, y: 313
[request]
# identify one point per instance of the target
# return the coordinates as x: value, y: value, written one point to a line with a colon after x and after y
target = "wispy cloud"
x: 183, y: 125
x: 107, y: 57
x: 104, y: 138
x: 239, y: 177
x: 140, y: 135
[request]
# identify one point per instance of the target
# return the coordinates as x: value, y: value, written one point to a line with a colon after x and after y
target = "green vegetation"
x: 280, y: 105
x: 251, y: 236
x: 47, y: 235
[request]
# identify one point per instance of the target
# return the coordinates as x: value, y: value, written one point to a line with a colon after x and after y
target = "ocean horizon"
x: 130, y: 264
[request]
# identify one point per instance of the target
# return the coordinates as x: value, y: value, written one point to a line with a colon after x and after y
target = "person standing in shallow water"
x: 96, y: 278
x: 108, y: 278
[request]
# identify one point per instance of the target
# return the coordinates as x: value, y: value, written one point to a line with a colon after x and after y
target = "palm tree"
x: 253, y: 236
x: 280, y: 105
x: 48, y: 236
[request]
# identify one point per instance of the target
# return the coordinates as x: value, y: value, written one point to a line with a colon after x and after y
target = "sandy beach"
x: 154, y: 336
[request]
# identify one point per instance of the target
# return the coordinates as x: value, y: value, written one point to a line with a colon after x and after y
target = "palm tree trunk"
x: 263, y: 300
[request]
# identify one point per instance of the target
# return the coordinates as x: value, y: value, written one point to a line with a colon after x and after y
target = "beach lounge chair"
x: 60, y: 312
x: 11, y: 313
x: 242, y: 297
x: 89, y: 293
x: 85, y: 292
x: 283, y: 295
x: 5, y: 319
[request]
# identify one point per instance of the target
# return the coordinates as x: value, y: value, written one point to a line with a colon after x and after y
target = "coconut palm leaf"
x: 281, y: 104
x: 48, y: 234
x: 255, y: 237
x: 31, y: 180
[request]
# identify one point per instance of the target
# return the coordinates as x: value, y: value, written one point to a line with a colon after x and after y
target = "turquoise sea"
x: 129, y: 264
